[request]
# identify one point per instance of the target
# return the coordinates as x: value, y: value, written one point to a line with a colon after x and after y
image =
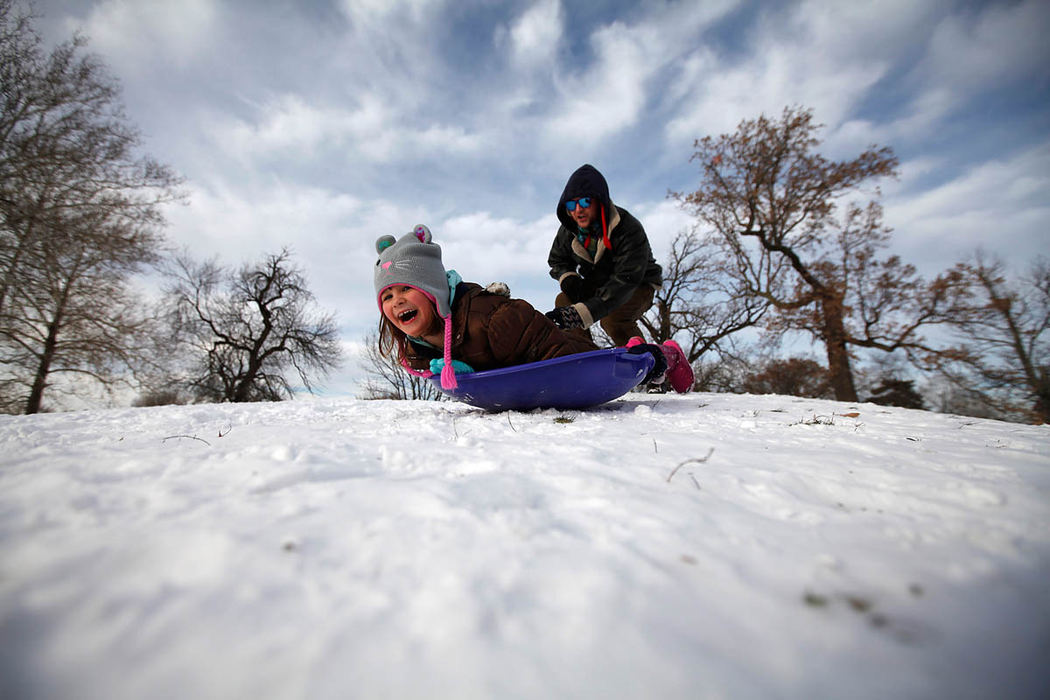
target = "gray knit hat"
x: 415, y: 261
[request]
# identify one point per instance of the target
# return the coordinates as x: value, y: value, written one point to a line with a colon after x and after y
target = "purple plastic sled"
x: 573, y: 381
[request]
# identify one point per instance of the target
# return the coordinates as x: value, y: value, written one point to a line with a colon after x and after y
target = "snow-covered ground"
x: 370, y: 549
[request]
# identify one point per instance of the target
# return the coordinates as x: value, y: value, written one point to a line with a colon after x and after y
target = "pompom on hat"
x: 414, y: 260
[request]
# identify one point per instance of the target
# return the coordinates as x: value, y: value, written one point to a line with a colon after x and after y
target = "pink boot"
x: 679, y: 371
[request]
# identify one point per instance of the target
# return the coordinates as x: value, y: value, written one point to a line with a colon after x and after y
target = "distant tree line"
x: 80, y: 216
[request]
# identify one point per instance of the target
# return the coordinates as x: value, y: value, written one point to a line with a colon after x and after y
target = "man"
x: 602, y: 261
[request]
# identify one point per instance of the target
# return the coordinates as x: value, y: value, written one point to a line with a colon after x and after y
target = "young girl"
x: 437, y: 323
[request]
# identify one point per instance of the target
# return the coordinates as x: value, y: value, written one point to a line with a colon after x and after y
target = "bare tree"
x: 793, y: 376
x: 245, y: 331
x: 1003, y: 358
x: 699, y: 301
x: 895, y: 391
x: 948, y: 397
x: 79, y: 215
x: 722, y: 373
x: 773, y: 205
x: 388, y: 380
x: 76, y: 319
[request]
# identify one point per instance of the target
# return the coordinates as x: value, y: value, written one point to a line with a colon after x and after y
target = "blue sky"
x: 324, y: 125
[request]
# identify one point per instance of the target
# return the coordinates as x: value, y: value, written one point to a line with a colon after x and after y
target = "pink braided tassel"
x: 448, y: 375
x: 418, y: 372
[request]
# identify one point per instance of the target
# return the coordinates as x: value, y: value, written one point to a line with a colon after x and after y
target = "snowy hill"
x: 342, y: 548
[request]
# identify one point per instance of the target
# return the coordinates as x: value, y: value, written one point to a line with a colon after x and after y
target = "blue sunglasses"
x: 583, y: 203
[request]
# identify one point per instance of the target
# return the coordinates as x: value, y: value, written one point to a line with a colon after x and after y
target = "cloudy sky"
x: 323, y: 124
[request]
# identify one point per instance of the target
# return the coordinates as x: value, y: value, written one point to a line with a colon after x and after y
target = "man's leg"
x: 622, y: 323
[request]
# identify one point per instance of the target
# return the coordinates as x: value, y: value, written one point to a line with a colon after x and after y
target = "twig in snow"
x: 511, y: 424
x: 694, y: 460
x: 188, y: 437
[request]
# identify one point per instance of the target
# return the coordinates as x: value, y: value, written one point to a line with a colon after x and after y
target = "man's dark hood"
x: 585, y: 182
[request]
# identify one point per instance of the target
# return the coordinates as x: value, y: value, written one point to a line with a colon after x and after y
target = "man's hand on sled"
x: 565, y: 317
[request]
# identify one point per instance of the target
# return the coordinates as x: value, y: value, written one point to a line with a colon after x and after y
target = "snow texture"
x: 698, y: 546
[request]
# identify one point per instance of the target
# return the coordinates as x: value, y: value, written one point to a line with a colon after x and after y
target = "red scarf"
x: 605, y: 234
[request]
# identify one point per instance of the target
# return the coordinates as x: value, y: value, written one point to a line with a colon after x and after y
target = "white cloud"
x: 485, y: 248
x: 663, y: 220
x: 972, y: 51
x: 607, y: 98
x: 825, y: 56
x: 391, y: 42
x: 768, y: 84
x: 610, y: 95
x: 999, y: 205
x: 534, y: 39
x: 968, y: 53
x: 239, y: 223
x: 441, y: 140
x: 862, y: 30
x: 528, y: 49
x: 288, y: 124
x: 372, y: 130
x: 382, y: 12
x: 142, y: 35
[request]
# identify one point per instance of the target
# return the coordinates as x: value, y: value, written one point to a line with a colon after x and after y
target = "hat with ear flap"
x: 414, y: 260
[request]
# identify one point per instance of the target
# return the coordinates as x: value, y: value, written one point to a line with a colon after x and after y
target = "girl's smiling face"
x: 410, y: 311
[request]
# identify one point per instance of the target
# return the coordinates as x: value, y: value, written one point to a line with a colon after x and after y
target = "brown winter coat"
x: 491, y: 331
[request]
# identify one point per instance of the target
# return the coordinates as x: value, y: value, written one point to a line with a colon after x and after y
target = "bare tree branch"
x: 788, y: 249
x: 388, y: 380
x: 246, y: 331
x: 1003, y: 332
x: 79, y: 215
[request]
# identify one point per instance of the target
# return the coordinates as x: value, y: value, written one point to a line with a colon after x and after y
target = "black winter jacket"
x: 616, y: 270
